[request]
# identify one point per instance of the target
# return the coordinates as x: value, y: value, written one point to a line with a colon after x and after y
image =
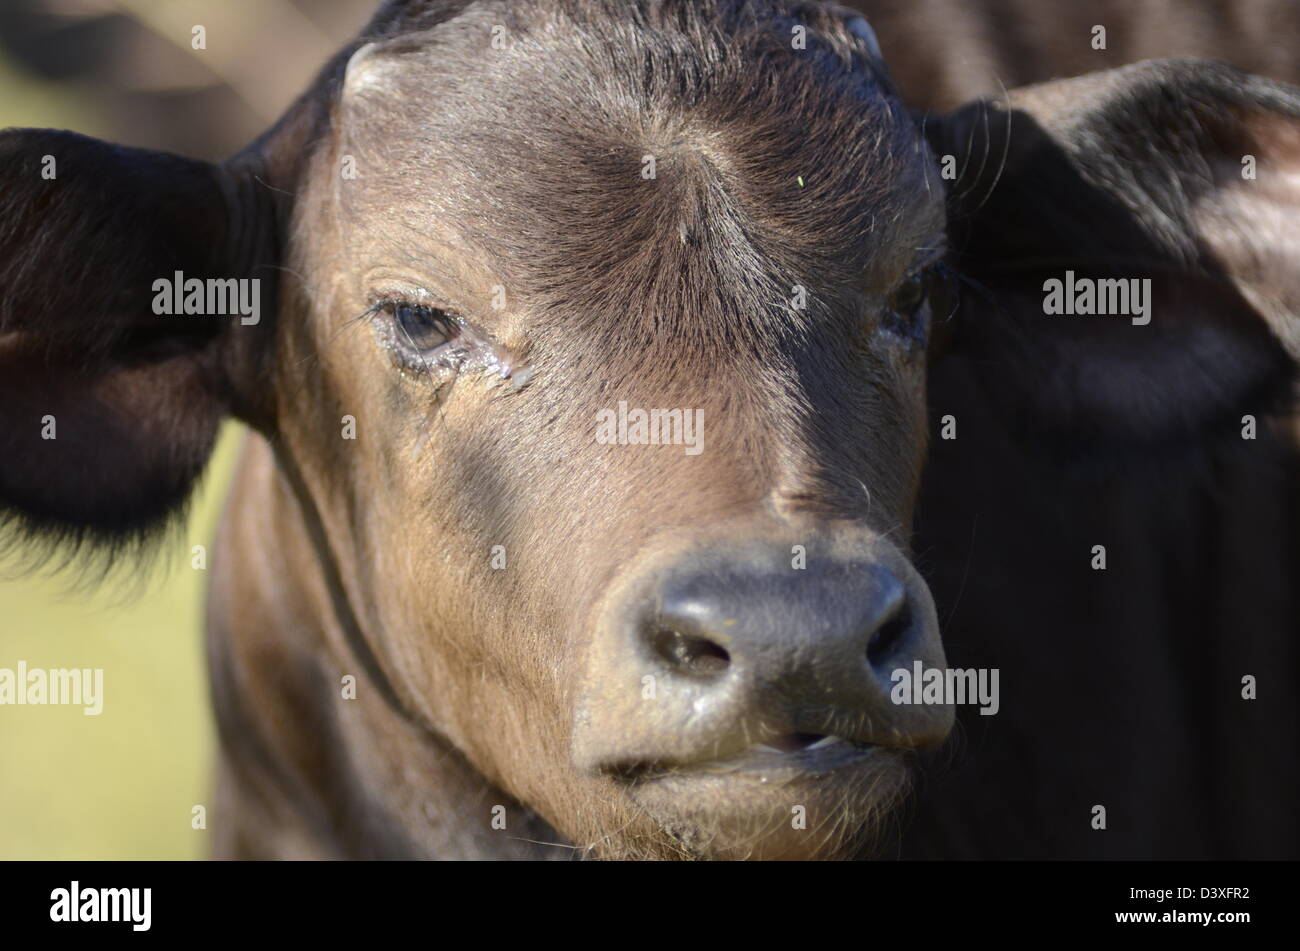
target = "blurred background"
x: 122, y: 785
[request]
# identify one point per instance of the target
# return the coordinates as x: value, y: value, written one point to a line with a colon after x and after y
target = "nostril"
x: 885, y: 641
x: 694, y: 655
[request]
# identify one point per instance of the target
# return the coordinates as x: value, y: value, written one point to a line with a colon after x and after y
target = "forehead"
x: 589, y: 155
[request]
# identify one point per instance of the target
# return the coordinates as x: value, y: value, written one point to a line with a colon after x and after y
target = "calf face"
x: 501, y: 233
x: 701, y: 627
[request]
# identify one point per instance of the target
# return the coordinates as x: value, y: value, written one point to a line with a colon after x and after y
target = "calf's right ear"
x: 1169, y: 188
x: 109, y: 408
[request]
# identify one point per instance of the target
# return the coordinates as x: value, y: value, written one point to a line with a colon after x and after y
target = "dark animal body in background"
x: 1130, y: 677
x: 517, y: 694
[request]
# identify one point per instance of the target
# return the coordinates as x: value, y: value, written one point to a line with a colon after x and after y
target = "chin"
x: 831, y: 805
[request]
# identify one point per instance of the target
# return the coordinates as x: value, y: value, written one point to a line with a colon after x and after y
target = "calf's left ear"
x: 109, y: 400
x: 1179, y: 179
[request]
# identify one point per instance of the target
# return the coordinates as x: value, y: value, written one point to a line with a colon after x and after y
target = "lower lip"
x: 761, y: 765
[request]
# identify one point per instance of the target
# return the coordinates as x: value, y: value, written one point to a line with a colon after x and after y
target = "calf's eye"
x: 905, y: 314
x: 910, y: 296
x: 421, y: 328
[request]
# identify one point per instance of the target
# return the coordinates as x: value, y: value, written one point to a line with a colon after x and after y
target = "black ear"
x: 1182, y: 173
x: 108, y: 408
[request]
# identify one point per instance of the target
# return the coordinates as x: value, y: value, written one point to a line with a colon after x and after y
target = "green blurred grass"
x: 41, y: 104
x: 122, y: 784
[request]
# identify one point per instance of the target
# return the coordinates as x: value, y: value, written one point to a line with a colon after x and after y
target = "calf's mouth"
x: 786, y: 756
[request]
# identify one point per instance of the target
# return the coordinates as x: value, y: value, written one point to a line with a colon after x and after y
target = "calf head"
x: 489, y: 239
